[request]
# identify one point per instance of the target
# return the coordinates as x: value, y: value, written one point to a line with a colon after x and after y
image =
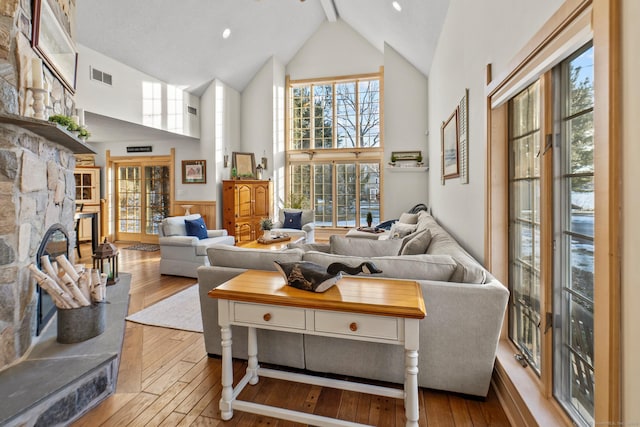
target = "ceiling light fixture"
x: 226, y: 33
x: 397, y: 6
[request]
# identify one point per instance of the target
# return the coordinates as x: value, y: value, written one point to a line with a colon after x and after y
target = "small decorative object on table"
x: 369, y: 219
x: 309, y: 276
x: 273, y: 239
x: 266, y: 224
x: 106, y: 260
x: 371, y: 230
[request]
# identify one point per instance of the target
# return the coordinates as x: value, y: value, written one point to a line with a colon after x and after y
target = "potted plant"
x: 266, y: 224
x: 369, y: 219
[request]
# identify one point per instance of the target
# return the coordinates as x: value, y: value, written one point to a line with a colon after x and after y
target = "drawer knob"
x: 267, y: 317
x: 353, y: 326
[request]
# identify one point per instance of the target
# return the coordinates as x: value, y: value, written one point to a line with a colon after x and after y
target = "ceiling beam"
x: 330, y: 10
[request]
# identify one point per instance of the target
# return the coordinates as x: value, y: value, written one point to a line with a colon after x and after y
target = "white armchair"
x: 307, y: 222
x: 181, y: 254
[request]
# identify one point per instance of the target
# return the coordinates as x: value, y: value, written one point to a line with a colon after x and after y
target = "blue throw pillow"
x: 293, y: 220
x: 196, y: 228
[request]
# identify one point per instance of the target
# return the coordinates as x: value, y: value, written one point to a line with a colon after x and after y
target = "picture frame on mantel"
x: 194, y: 171
x: 52, y: 43
x: 449, y: 148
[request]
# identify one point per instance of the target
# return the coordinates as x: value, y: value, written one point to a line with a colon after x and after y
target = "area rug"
x: 147, y: 247
x: 180, y: 311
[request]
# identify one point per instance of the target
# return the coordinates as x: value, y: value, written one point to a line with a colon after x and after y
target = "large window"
x: 334, y: 148
x: 152, y: 104
x: 569, y: 198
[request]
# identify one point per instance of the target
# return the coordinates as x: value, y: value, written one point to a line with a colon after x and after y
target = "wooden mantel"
x: 49, y: 130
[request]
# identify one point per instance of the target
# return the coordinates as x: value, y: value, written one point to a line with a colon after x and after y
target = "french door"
x: 143, y: 194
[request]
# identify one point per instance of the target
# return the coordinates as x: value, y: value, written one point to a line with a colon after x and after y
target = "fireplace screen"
x: 54, y: 243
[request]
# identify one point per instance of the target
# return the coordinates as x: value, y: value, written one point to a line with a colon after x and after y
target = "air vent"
x: 192, y: 110
x: 101, y: 76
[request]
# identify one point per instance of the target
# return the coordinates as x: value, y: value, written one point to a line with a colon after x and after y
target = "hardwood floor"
x: 167, y: 379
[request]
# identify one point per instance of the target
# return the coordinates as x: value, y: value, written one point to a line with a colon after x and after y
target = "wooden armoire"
x: 244, y: 203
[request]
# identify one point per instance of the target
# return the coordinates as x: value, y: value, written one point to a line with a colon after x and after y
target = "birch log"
x: 60, y: 298
x: 52, y: 272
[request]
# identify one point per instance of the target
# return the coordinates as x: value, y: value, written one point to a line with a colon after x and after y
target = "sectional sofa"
x: 458, y: 337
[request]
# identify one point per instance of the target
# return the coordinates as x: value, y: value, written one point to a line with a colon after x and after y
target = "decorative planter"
x: 80, y: 324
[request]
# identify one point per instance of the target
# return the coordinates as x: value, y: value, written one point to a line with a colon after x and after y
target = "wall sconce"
x: 263, y: 162
x: 226, y: 160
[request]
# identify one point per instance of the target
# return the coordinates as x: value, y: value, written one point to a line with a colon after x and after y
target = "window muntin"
x: 175, y: 117
x: 575, y: 215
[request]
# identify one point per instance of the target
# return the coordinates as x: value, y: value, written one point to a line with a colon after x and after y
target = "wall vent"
x: 192, y: 110
x: 101, y: 76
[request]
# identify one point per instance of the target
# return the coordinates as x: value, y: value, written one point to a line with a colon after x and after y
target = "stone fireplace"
x: 38, y: 191
x: 37, y: 188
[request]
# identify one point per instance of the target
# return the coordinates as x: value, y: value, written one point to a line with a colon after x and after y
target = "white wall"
x: 263, y: 123
x: 123, y: 99
x: 630, y: 208
x: 335, y: 49
x: 474, y: 34
x: 405, y: 126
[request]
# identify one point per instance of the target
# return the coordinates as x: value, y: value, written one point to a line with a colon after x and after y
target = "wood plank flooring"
x: 167, y: 379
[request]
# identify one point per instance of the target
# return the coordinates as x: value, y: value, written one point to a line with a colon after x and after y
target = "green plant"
x: 369, y: 218
x: 83, y: 133
x: 65, y: 121
x: 266, y: 224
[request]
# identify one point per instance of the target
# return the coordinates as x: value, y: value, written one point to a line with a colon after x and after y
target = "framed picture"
x: 401, y: 156
x: 194, y: 171
x: 245, y: 164
x: 450, y: 147
x: 54, y: 45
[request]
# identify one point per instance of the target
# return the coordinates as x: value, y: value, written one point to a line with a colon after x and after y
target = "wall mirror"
x: 245, y: 164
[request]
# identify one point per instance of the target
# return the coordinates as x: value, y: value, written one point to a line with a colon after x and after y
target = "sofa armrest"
x: 217, y: 233
x: 178, y: 241
x: 277, y: 224
x: 310, y: 226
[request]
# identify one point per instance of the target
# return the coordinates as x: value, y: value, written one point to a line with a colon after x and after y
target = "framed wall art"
x: 194, y: 171
x: 244, y: 164
x: 449, y: 136
x: 54, y: 45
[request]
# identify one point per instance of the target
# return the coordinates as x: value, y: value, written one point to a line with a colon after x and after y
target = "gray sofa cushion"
x: 416, y: 243
x: 363, y: 247
x: 408, y: 218
x: 413, y: 267
x: 174, y: 226
x: 400, y: 230
x: 257, y: 259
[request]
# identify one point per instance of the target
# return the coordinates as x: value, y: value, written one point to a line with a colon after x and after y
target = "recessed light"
x: 397, y: 6
x: 226, y: 33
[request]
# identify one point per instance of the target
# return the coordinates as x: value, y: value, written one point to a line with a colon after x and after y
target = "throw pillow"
x: 196, y: 228
x: 418, y: 244
x: 408, y: 218
x: 293, y: 220
x: 400, y: 230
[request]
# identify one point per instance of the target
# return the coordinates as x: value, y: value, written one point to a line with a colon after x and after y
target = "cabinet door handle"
x: 267, y: 317
x: 353, y: 326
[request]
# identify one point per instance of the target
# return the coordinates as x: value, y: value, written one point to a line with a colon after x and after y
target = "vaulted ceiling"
x: 181, y: 43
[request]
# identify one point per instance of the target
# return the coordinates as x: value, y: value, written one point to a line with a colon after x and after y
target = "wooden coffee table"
x: 357, y: 308
x: 276, y: 246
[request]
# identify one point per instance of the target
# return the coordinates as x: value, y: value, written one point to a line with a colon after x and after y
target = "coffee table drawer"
x: 258, y: 314
x: 357, y: 325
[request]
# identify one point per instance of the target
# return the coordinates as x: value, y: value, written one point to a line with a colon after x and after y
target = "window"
x: 574, y: 234
x: 334, y: 148
x: 174, y: 109
x: 152, y: 104
x: 572, y: 64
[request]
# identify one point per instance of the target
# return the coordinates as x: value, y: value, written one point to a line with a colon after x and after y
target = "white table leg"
x: 411, y: 372
x: 252, y: 350
x: 227, y: 362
